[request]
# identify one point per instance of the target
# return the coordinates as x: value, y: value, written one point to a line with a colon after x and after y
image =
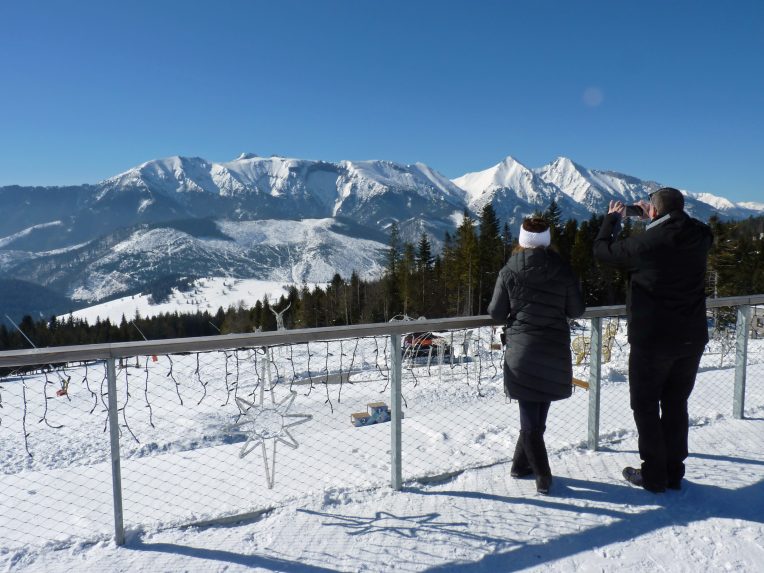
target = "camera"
x: 634, y: 211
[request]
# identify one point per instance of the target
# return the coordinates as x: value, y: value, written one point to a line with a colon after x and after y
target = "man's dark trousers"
x: 659, y: 386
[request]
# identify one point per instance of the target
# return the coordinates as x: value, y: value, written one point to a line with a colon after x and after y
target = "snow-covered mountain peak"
x: 508, y: 174
x: 571, y: 178
x: 510, y: 161
x: 509, y: 169
x: 246, y: 155
x: 716, y: 202
x: 176, y: 174
x: 562, y: 163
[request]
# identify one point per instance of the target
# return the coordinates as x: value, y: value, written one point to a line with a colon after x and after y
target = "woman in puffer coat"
x: 536, y: 293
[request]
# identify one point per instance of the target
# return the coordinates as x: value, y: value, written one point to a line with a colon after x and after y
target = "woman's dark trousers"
x: 530, y: 451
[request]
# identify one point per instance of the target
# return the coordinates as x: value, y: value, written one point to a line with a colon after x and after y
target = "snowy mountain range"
x: 275, y: 218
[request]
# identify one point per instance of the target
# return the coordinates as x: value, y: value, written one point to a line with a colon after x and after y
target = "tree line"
x: 457, y: 281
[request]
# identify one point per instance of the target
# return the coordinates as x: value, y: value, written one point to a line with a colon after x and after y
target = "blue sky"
x: 666, y: 90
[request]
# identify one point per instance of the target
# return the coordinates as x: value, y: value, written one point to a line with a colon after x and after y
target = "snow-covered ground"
x: 205, y: 295
x: 331, y: 507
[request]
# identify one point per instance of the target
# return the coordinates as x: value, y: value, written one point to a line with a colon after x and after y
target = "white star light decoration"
x: 268, y: 423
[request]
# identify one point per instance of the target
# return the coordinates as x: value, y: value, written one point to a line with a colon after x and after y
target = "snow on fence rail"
x: 147, y: 435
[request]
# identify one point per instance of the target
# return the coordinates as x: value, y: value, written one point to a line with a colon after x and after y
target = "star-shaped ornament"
x: 265, y: 422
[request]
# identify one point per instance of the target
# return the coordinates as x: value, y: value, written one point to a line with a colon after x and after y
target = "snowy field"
x: 330, y: 507
x: 205, y: 295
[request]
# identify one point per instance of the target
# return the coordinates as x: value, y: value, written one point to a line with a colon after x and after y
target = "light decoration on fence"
x: 252, y: 419
x: 265, y: 423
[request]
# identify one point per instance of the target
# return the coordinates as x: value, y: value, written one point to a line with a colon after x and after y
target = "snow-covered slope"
x: 365, y: 180
x: 752, y: 205
x: 312, y: 250
x: 26, y: 232
x: 378, y: 193
x: 207, y: 294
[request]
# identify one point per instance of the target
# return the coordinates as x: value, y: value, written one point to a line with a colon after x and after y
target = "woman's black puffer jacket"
x: 536, y: 292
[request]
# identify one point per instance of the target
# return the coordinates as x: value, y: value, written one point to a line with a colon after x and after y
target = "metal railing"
x: 111, y: 353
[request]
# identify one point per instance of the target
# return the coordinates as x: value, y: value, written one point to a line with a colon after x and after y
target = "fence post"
x: 395, y: 411
x: 742, y: 328
x: 595, y: 377
x: 116, y: 472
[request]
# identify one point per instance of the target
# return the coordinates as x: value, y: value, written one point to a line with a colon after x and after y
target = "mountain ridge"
x: 177, y: 214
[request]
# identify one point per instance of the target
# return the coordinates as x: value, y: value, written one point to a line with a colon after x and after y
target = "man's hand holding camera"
x: 641, y: 209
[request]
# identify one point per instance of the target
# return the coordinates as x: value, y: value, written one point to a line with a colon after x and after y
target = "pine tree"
x: 506, y: 242
x: 338, y: 312
x: 406, y: 276
x: 356, y: 300
x: 394, y: 250
x: 424, y: 258
x: 582, y: 260
x: 392, y: 294
x: 553, y: 216
x: 490, y: 256
x: 424, y: 275
x: 466, y: 266
x: 567, y: 238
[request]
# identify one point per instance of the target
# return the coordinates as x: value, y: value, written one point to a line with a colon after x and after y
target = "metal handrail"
x: 89, y: 352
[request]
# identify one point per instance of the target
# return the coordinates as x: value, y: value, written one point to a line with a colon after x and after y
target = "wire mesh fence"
x: 55, y: 456
x: 215, y: 435
x: 713, y: 396
x: 457, y: 416
x: 753, y: 403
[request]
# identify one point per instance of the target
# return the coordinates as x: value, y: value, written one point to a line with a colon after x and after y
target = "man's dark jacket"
x: 535, y: 294
x: 666, y: 301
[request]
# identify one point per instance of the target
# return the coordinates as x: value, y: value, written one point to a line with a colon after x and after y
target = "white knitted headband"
x: 529, y: 239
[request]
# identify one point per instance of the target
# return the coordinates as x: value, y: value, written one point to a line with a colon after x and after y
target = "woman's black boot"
x: 520, y: 466
x: 535, y: 449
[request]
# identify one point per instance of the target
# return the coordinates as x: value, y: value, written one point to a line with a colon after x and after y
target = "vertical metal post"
x: 116, y: 472
x: 395, y: 411
x: 595, y: 378
x: 742, y: 328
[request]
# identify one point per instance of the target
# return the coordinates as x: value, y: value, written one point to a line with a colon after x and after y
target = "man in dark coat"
x: 535, y: 294
x: 666, y: 309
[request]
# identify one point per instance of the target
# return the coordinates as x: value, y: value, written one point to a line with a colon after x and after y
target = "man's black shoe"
x: 634, y: 477
x: 674, y: 484
x: 543, y: 484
